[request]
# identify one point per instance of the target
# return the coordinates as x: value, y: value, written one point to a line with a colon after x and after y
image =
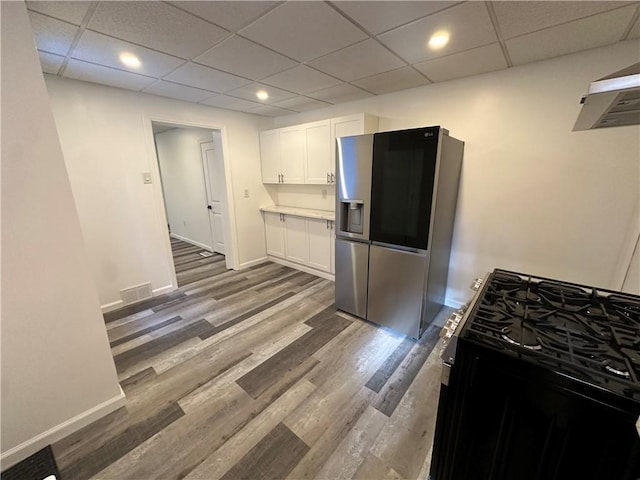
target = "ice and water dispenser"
x: 351, y: 218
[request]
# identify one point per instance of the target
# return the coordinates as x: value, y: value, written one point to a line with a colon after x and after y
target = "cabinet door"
x: 344, y: 127
x: 292, y: 154
x: 296, y: 241
x: 274, y: 232
x: 319, y: 244
x: 270, y: 156
x: 318, y: 153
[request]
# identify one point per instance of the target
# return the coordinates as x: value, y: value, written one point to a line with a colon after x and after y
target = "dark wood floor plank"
x: 377, y: 381
x: 393, y: 391
x: 138, y: 333
x: 272, y: 458
x: 262, y: 377
x: 121, y: 444
x: 146, y: 375
x: 234, y: 321
x: 140, y: 306
x: 149, y: 349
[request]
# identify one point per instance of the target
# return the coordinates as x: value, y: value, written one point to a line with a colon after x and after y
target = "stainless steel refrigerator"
x: 396, y: 196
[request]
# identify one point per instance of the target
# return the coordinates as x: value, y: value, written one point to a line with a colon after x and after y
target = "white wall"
x: 57, y: 369
x: 535, y: 197
x: 107, y: 143
x: 183, y: 184
x: 320, y: 197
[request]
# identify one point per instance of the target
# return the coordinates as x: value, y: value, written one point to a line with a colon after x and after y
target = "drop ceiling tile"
x: 323, y: 29
x: 340, y: 93
x: 248, y: 92
x: 358, y: 61
x: 301, y: 79
x: 51, y: 35
x: 469, y: 26
x: 231, y: 103
x: 635, y: 30
x: 392, y: 81
x: 156, y: 25
x: 242, y: 57
x: 596, y: 31
x: 270, y: 111
x: 90, y: 72
x: 301, y: 104
x: 378, y: 17
x: 72, y: 12
x: 97, y: 48
x: 229, y: 15
x: 518, y: 18
x: 180, y: 92
x: 50, y: 63
x: 206, y: 78
x: 472, y: 62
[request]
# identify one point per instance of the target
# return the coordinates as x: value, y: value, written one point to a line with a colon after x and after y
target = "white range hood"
x: 612, y: 101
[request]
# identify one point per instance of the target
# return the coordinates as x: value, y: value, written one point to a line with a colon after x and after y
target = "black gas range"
x: 544, y: 384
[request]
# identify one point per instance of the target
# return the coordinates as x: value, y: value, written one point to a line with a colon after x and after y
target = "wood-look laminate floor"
x: 253, y: 374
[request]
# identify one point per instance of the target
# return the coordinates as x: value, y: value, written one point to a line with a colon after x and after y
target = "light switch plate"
x: 146, y: 177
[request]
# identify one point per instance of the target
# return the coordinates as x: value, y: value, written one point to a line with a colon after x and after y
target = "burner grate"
x: 588, y: 333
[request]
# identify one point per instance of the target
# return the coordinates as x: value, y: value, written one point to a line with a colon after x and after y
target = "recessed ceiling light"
x: 439, y: 40
x: 262, y: 95
x: 130, y: 60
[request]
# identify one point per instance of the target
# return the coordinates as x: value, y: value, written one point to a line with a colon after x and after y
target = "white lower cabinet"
x: 320, y: 244
x: 296, y: 239
x: 274, y: 233
x: 305, y: 241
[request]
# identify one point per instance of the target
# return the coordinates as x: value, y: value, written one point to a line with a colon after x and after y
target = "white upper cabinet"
x: 292, y: 154
x: 282, y: 154
x: 307, y: 153
x: 347, y: 126
x: 318, y: 152
x: 270, y: 156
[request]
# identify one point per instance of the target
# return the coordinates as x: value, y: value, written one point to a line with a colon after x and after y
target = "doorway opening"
x: 193, y: 183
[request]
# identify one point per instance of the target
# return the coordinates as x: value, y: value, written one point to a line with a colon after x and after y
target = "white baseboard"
x: 192, y: 242
x: 162, y: 290
x: 119, y: 304
x: 252, y: 263
x: 34, y: 444
x: 303, y: 268
x: 111, y: 306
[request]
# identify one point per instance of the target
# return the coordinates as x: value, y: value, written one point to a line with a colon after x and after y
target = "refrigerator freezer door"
x: 352, y: 269
x: 353, y: 186
x: 396, y: 288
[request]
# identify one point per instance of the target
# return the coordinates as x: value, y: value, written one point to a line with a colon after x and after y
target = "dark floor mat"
x: 36, y: 467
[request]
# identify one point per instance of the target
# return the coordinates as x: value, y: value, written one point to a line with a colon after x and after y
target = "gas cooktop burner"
x: 593, y: 334
x: 621, y: 373
x: 524, y: 337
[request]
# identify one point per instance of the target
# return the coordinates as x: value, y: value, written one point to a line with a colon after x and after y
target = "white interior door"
x: 214, y: 179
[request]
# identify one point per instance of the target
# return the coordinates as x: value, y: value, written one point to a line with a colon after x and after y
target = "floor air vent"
x: 137, y: 293
x: 41, y: 465
x: 206, y: 254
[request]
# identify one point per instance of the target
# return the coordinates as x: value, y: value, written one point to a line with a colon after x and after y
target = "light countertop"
x: 300, y: 212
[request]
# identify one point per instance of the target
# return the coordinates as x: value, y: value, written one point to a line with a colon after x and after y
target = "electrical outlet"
x: 246, y: 193
x: 146, y: 177
x: 324, y: 193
